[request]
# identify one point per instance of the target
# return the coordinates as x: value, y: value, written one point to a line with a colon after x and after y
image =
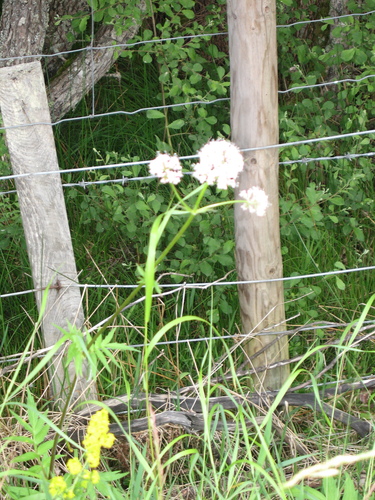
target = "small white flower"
x: 256, y: 201
x: 220, y: 162
x: 168, y: 168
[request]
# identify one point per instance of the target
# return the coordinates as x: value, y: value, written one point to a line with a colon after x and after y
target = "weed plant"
x: 327, y: 223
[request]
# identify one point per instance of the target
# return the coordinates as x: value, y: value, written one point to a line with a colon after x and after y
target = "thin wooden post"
x: 254, y: 122
x: 23, y: 102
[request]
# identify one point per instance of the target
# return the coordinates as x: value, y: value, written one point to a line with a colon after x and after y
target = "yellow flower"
x: 57, y: 486
x: 69, y: 494
x: 95, y: 477
x: 86, y: 476
x: 74, y: 466
x: 97, y: 436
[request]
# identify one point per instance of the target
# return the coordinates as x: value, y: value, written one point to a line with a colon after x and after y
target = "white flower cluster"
x: 168, y: 168
x: 220, y: 163
x: 256, y: 201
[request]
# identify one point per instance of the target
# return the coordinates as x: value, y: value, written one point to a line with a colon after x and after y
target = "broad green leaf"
x: 359, y: 234
x: 340, y: 284
x: 188, y: 13
x: 221, y: 72
x: 193, y: 79
x: 155, y: 113
x: 350, y: 492
x: 141, y: 205
x: 176, y: 124
x: 44, y: 447
x: 347, y: 55
x: 83, y: 24
x: 337, y: 200
x: 206, y: 268
x: 339, y: 265
x: 211, y: 120
x: 202, y: 112
x: 226, y: 128
x: 30, y: 455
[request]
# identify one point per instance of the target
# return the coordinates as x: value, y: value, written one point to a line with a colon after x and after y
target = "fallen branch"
x: 186, y: 411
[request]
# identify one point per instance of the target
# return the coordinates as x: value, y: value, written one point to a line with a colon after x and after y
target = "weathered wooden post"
x: 31, y: 146
x: 254, y: 122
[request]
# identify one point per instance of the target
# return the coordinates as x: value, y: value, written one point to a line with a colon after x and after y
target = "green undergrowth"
x: 326, y: 224
x: 247, y: 453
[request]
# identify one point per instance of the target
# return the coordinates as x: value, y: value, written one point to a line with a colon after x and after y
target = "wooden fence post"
x: 254, y: 123
x: 23, y: 103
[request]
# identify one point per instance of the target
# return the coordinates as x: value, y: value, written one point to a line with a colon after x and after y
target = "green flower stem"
x: 181, y: 200
x: 193, y: 212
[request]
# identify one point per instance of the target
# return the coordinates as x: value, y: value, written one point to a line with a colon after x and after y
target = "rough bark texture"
x: 28, y: 27
x: 254, y: 122
x: 67, y: 90
x: 23, y: 27
x: 56, y: 39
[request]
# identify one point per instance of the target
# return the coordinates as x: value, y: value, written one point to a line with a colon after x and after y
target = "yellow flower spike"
x: 97, y: 436
x: 95, y: 477
x: 109, y: 440
x: 93, y: 457
x: 74, y: 466
x: 57, y: 486
x: 86, y: 476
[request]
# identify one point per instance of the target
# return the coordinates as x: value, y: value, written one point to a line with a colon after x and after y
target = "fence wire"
x: 202, y: 285
x: 123, y: 180
x: 172, y: 39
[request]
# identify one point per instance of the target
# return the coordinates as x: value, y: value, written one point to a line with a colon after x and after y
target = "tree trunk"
x: 60, y: 35
x: 68, y: 89
x: 23, y: 27
x: 28, y: 27
x: 254, y: 123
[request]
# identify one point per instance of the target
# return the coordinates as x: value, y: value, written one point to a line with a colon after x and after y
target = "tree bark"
x: 68, y: 89
x: 28, y: 27
x: 23, y: 28
x: 56, y: 39
x: 254, y: 123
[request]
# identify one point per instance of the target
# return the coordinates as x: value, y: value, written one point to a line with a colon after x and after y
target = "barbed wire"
x: 324, y: 19
x: 112, y: 113
x: 348, y: 156
x: 172, y: 39
x: 176, y: 105
x: 325, y: 84
x: 204, y: 285
x: 368, y: 324
x: 124, y: 180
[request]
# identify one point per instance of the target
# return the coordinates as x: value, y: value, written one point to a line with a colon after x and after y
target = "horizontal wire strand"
x: 171, y: 39
x: 203, y: 285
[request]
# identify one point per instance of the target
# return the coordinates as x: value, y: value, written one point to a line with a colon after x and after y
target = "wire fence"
x: 124, y: 180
